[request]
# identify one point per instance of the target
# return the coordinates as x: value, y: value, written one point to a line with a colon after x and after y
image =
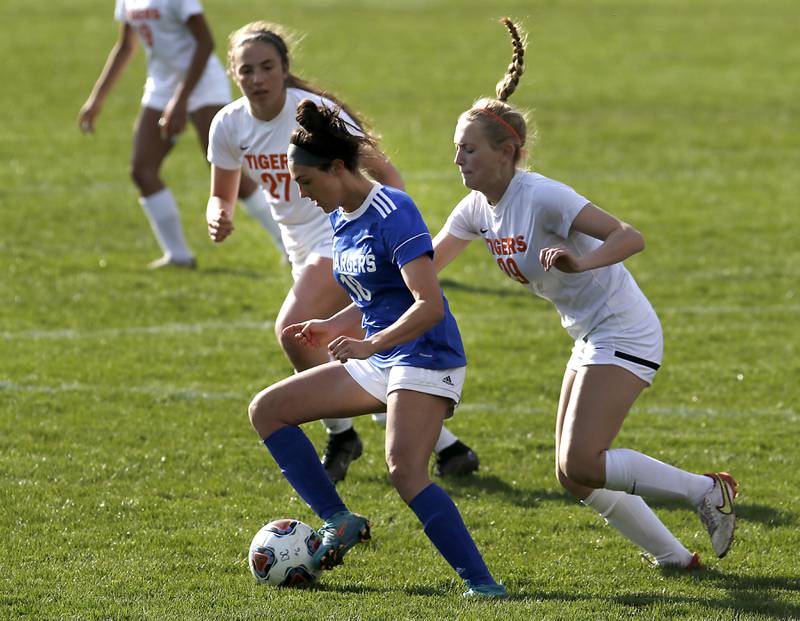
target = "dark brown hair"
x: 324, y: 133
x: 272, y: 34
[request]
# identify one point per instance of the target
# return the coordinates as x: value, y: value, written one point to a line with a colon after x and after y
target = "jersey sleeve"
x: 119, y: 10
x: 187, y: 8
x: 559, y: 205
x: 223, y: 152
x: 406, y: 236
x: 460, y: 222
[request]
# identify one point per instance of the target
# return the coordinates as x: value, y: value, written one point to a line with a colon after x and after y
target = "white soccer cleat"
x: 716, y: 511
x: 167, y: 261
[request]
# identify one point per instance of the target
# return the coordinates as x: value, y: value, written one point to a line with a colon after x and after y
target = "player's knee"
x: 286, y: 341
x: 399, y: 471
x: 264, y: 413
x: 580, y: 468
x: 562, y: 478
x: 144, y: 177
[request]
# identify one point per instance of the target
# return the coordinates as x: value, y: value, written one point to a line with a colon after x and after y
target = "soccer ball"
x: 281, y: 552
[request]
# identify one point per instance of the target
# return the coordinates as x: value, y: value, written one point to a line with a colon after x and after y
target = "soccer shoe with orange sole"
x: 694, y: 563
x: 340, y: 532
x: 716, y: 511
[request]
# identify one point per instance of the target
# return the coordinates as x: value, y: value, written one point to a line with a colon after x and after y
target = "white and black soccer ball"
x: 281, y: 552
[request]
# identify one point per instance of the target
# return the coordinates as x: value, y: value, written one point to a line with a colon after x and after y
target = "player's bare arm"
x: 620, y: 241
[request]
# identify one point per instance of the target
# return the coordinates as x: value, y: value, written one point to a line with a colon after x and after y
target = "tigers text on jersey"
x: 370, y: 245
x: 168, y: 42
x: 537, y: 212
x: 239, y: 140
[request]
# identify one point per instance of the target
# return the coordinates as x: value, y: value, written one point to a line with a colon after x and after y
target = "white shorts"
x: 380, y: 382
x: 213, y: 89
x: 638, y: 348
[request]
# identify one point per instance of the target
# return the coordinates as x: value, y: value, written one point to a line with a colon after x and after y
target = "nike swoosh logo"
x: 244, y: 148
x: 726, y: 508
x: 484, y: 231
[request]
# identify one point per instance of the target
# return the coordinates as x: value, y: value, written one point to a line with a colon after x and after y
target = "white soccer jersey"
x: 537, y: 212
x: 168, y: 43
x: 239, y: 140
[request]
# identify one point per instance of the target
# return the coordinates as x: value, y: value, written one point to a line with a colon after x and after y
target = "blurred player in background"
x: 253, y: 133
x: 184, y: 81
x: 410, y: 361
x: 563, y: 248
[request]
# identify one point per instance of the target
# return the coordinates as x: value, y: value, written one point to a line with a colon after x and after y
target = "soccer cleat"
x: 716, y: 511
x: 496, y: 591
x: 342, y: 448
x: 456, y: 460
x: 694, y: 563
x: 340, y: 532
x: 167, y: 261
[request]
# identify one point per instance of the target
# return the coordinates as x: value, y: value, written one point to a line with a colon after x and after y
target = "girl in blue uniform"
x: 410, y: 362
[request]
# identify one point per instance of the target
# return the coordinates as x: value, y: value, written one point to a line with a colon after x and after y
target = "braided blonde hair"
x: 498, y: 119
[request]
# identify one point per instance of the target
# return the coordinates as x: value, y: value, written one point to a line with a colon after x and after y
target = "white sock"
x: 337, y: 425
x: 635, y: 473
x: 257, y: 206
x: 162, y: 212
x: 446, y: 438
x: 631, y: 516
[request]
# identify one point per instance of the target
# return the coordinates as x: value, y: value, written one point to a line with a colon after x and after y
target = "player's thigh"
x: 563, y: 403
x: 600, y: 399
x: 149, y: 148
x: 315, y: 295
x: 413, y: 424
x: 325, y: 391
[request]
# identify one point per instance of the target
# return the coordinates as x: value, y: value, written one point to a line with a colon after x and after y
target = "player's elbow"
x: 634, y: 237
x: 434, y: 310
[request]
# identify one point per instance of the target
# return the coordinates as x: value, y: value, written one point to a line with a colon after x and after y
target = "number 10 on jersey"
x: 362, y: 294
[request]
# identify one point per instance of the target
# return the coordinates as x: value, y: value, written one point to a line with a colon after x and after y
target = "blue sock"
x: 300, y: 464
x: 445, y: 528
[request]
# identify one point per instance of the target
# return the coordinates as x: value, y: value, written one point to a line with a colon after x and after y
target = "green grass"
x: 130, y: 480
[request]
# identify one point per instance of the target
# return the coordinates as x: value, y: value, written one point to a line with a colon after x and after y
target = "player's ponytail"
x: 501, y: 122
x: 508, y: 84
x: 323, y: 136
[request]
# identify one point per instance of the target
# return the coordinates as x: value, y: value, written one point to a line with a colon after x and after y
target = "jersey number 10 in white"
x: 363, y: 295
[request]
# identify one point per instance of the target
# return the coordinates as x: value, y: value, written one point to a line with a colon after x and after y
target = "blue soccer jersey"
x: 370, y: 245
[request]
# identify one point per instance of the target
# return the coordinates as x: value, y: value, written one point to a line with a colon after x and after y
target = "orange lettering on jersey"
x: 143, y: 14
x: 504, y: 246
x: 267, y: 161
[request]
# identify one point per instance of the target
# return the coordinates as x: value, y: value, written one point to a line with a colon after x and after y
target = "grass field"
x: 130, y: 480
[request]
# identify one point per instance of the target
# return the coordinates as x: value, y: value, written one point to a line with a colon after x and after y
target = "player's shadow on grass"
x: 749, y: 594
x: 763, y: 514
x: 232, y: 271
x: 517, y: 495
x: 745, y: 594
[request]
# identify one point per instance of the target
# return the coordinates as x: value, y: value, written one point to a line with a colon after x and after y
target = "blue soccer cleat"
x: 494, y: 591
x: 340, y: 532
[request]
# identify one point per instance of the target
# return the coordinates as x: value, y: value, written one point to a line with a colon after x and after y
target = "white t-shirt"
x: 161, y: 25
x: 239, y: 140
x: 537, y: 212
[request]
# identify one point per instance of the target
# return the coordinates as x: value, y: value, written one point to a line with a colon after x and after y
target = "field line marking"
x: 155, y: 390
x: 167, y: 390
x: 169, y: 328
